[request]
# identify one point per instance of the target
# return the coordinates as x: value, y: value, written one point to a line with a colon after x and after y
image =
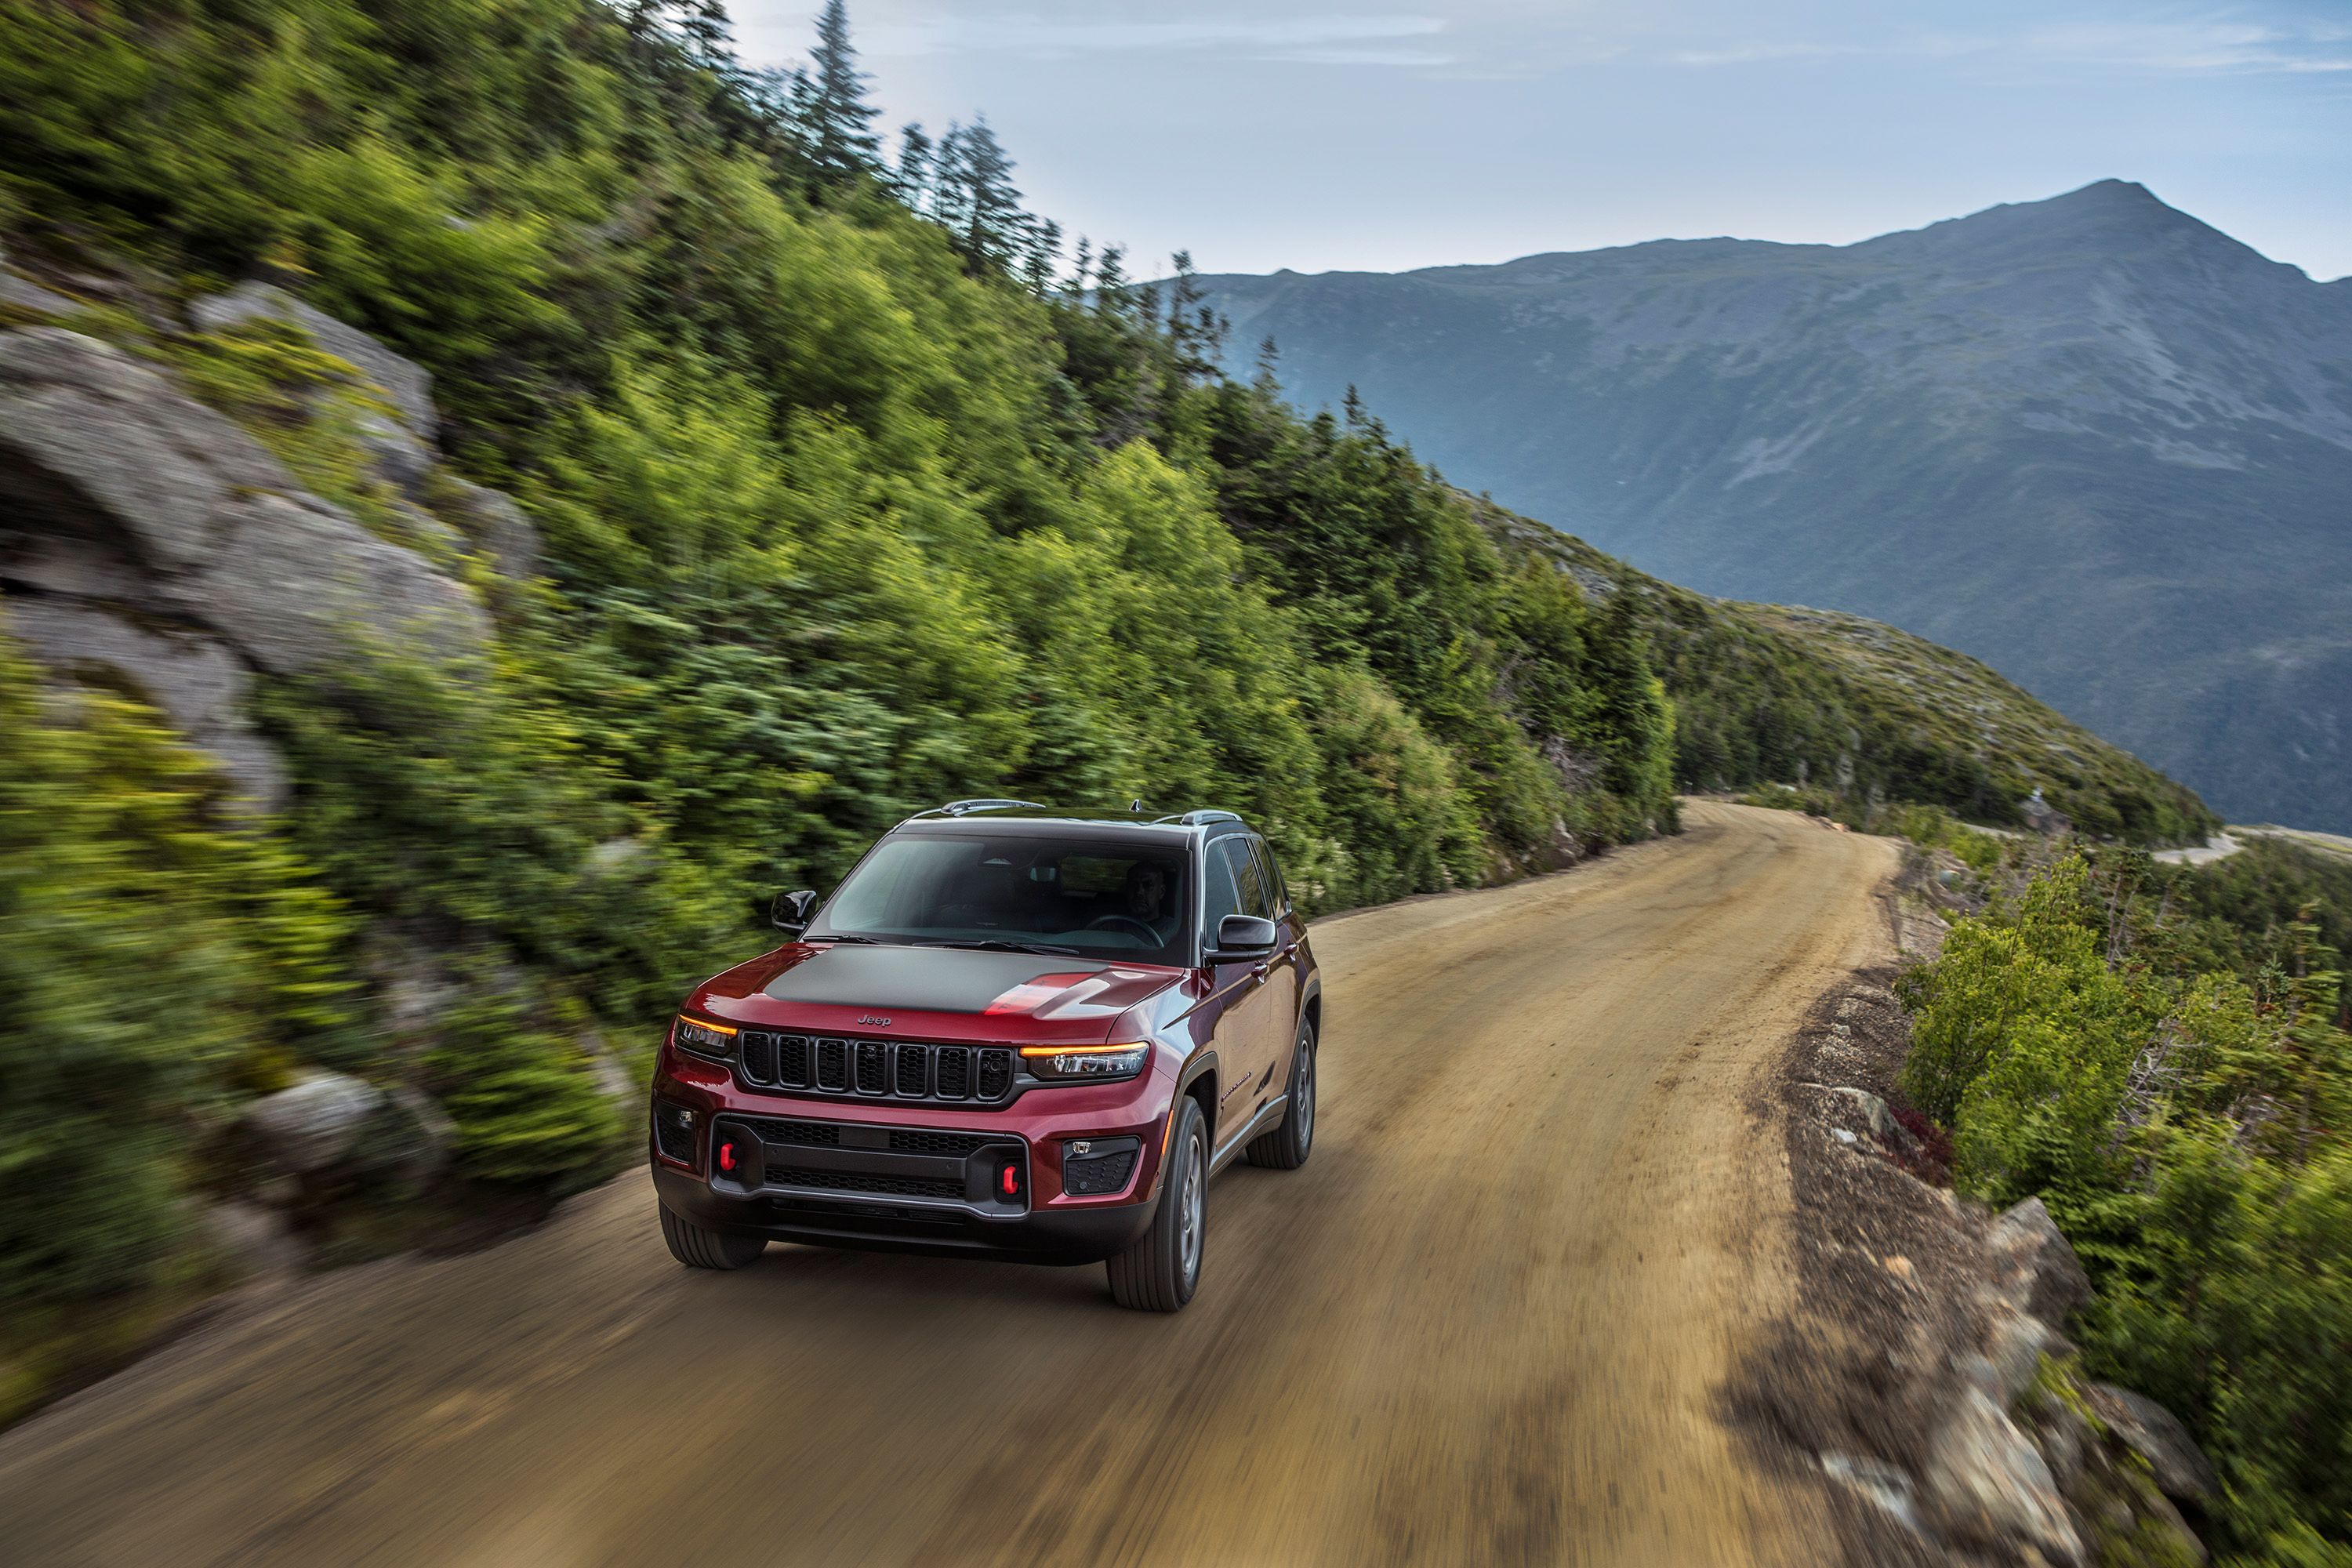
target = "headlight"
x: 704, y: 1039
x: 1073, y: 1063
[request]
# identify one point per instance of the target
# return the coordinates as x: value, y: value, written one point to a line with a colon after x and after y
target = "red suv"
x: 1010, y: 1032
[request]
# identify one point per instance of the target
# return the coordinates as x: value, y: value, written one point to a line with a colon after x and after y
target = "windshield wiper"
x: 865, y: 940
x: 997, y: 944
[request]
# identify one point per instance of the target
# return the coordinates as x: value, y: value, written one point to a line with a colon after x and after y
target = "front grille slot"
x: 792, y: 1061
x: 833, y: 1065
x: 955, y: 1072
x: 913, y: 1080
x: 759, y: 1056
x: 850, y: 1181
x: 873, y: 1068
x: 995, y: 1073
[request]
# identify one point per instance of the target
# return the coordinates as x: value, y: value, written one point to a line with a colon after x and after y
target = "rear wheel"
x: 699, y: 1246
x: 1159, y: 1273
x: 1285, y: 1148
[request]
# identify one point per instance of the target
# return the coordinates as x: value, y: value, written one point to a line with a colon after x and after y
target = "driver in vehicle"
x: 1147, y: 898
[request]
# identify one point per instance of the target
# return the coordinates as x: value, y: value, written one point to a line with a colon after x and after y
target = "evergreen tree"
x: 838, y: 121
x: 1267, y: 384
x: 913, y: 176
x: 1111, y: 283
x: 989, y: 219
x: 1043, y: 247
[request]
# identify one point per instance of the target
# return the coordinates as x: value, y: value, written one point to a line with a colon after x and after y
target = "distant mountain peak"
x: 2106, y: 215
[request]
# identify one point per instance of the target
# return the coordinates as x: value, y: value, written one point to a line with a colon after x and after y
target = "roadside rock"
x: 27, y: 295
x: 2156, y: 1435
x: 148, y: 543
x: 2033, y: 1266
x: 196, y: 683
x: 1989, y: 1485
x: 434, y: 1135
x: 251, y: 1237
x: 405, y: 384
x: 316, y: 1123
x: 496, y: 526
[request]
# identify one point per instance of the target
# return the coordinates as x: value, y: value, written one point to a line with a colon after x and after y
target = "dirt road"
x: 1483, y: 1325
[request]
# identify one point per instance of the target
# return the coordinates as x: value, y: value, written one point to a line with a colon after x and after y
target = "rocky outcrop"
x: 330, y: 1127
x: 1928, y: 1376
x: 148, y: 543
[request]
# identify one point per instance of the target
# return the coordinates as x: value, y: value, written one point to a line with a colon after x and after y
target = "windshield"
x: 1093, y: 896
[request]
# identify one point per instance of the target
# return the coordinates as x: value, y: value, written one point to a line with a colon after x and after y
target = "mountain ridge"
x: 2091, y: 439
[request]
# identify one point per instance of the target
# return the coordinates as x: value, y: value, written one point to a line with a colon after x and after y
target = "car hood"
x: 829, y: 985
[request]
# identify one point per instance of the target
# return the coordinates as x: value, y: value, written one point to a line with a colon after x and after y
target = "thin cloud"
x: 1332, y: 39
x: 2209, y: 47
x: 2197, y: 47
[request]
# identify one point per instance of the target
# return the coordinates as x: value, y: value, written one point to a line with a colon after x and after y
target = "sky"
x: 1381, y: 136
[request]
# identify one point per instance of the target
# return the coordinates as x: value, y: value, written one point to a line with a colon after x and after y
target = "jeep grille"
x: 878, y: 1069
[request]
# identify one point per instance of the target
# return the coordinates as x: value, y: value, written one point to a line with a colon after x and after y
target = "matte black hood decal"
x: 917, y: 979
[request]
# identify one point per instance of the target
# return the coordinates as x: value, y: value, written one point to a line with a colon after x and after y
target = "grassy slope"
x: 1764, y: 693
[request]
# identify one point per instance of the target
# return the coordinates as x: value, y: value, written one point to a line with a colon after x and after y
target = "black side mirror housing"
x: 1241, y: 938
x: 790, y: 911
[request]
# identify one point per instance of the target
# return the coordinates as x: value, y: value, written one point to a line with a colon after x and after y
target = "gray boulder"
x: 2034, y: 1266
x: 102, y: 457
x: 2157, y: 1435
x: 405, y: 384
x: 314, y: 1125
x: 1989, y: 1485
x: 496, y: 526
x: 194, y: 681
x: 27, y: 295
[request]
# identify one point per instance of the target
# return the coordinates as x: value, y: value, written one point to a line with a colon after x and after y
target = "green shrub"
x: 2189, y: 1127
x: 155, y: 964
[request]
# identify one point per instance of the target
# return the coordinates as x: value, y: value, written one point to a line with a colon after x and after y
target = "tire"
x: 1287, y: 1147
x: 1160, y: 1272
x: 697, y: 1247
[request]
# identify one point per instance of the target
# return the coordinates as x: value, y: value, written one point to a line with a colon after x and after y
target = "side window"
x: 1250, y: 873
x: 1277, y: 897
x: 1223, y: 893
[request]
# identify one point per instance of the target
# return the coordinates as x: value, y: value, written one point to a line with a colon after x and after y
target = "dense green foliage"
x: 2162, y: 1055
x: 849, y: 505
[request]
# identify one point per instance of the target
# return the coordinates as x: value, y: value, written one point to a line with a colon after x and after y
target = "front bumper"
x: 911, y: 1178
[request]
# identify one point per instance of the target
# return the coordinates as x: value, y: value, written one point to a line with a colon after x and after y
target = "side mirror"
x: 790, y: 911
x: 1242, y: 938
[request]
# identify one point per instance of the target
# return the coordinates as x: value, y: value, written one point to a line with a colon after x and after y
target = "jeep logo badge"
x: 877, y: 1022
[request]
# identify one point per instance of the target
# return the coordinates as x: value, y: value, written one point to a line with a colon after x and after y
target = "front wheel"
x: 699, y: 1246
x: 1159, y: 1273
x: 1285, y: 1148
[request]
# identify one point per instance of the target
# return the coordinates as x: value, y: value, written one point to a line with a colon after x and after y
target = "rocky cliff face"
x: 2090, y: 440
x: 151, y: 544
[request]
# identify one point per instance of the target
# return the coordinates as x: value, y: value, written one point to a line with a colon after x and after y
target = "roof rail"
x: 1198, y: 819
x: 958, y: 807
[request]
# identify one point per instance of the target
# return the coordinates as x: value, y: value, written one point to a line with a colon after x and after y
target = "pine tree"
x: 1267, y: 384
x: 1188, y: 320
x: 990, y: 219
x: 1082, y: 269
x: 1043, y: 247
x: 1110, y: 282
x: 913, y: 176
x: 838, y: 121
